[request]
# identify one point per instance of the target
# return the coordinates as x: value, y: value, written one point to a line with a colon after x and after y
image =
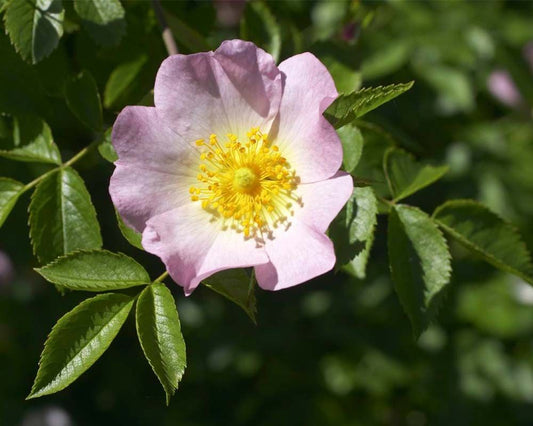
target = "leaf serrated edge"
x: 43, y: 391
x: 86, y: 251
x: 489, y: 257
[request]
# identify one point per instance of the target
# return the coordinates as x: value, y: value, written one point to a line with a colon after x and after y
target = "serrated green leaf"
x: 133, y: 237
x: 420, y: 264
x: 10, y: 191
x: 106, y: 149
x: 352, y: 146
x: 260, y: 26
x: 486, y: 234
x: 237, y: 286
x: 83, y: 99
x: 34, y: 27
x: 405, y: 176
x: 352, y: 231
x: 31, y: 141
x: 78, y: 339
x: 96, y: 270
x: 62, y: 217
x: 159, y: 331
x: 103, y: 19
x: 347, y: 108
x: 122, y: 78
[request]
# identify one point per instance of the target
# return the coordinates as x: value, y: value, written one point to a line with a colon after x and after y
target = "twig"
x: 166, y: 33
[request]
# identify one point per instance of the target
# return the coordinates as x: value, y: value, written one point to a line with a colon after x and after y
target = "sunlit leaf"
x: 96, y: 270
x: 78, y: 339
x: 34, y: 27
x: 122, y: 78
x: 352, y: 146
x: 103, y: 19
x: 10, y: 191
x: 133, y: 237
x: 62, y: 217
x: 159, y: 331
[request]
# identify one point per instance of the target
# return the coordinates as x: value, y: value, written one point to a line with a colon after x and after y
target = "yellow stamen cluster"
x: 250, y: 185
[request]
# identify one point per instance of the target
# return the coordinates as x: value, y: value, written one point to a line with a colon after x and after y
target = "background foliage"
x: 340, y: 349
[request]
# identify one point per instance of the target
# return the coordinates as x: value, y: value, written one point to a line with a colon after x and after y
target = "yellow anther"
x: 199, y: 142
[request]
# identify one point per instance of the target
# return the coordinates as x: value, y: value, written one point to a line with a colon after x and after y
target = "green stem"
x: 68, y: 163
x: 160, y: 277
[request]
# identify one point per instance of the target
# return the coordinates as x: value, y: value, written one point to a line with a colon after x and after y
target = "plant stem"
x: 160, y: 277
x: 166, y: 33
x: 68, y: 163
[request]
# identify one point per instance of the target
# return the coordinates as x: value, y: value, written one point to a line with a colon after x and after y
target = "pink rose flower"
x: 235, y: 166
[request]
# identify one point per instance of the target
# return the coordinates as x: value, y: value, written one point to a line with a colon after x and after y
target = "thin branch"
x: 166, y: 33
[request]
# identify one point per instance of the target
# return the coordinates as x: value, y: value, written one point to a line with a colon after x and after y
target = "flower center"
x: 249, y: 186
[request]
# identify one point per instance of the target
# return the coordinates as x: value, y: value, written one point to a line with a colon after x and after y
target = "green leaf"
x: 260, y: 26
x: 10, y: 191
x: 405, y: 176
x: 122, y: 78
x: 186, y: 35
x: 83, y: 99
x: 78, y: 339
x: 347, y: 108
x: 96, y: 270
x: 237, y: 286
x: 352, y: 231
x: 34, y: 27
x: 62, y: 217
x: 106, y: 149
x: 341, y: 62
x: 103, y: 19
x: 420, y: 264
x: 486, y: 234
x: 32, y: 141
x: 133, y: 237
x: 352, y: 146
x: 159, y: 331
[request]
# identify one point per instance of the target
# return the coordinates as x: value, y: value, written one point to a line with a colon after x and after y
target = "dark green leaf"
x: 347, y: 108
x: 103, y: 19
x: 260, y: 26
x: 96, y: 270
x: 186, y: 35
x: 34, y: 27
x: 106, y: 149
x: 420, y: 264
x: 237, y: 286
x: 62, y: 217
x: 133, y: 237
x: 159, y: 331
x: 31, y: 141
x: 486, y: 234
x: 352, y: 146
x: 405, y: 176
x: 10, y: 191
x: 78, y: 339
x: 83, y: 99
x: 122, y: 78
x: 353, y: 231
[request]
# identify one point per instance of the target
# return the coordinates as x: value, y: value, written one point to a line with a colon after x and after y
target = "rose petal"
x: 227, y: 91
x: 305, y: 137
x: 193, y: 247
x: 295, y: 256
x: 323, y: 200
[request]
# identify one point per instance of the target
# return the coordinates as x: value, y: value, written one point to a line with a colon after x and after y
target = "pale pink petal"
x: 193, y: 247
x: 323, y: 200
x: 305, y: 137
x: 142, y: 139
x: 139, y: 194
x: 227, y: 91
x: 296, y: 256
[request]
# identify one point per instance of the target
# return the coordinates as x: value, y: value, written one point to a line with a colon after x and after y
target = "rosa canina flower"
x: 235, y: 166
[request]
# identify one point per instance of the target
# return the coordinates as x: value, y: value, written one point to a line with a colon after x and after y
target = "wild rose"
x: 235, y: 166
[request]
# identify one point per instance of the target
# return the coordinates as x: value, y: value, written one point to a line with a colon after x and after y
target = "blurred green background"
x: 334, y: 351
